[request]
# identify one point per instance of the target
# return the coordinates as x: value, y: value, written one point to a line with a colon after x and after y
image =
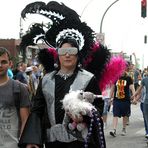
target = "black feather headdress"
x: 65, y: 23
x: 53, y: 10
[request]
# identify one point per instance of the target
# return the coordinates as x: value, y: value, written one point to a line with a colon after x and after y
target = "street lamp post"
x: 105, y: 14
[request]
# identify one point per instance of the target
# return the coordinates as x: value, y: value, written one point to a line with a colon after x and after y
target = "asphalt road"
x: 135, y: 131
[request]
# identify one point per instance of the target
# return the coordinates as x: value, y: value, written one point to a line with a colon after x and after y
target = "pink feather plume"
x: 53, y: 52
x: 94, y: 48
x: 113, y: 70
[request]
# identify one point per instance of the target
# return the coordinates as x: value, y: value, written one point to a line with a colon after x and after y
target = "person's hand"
x: 32, y: 146
x: 75, y: 118
x: 111, y: 101
x: 132, y: 97
x: 134, y: 101
x: 78, y: 118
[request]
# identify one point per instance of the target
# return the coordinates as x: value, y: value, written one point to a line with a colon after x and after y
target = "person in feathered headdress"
x: 80, y: 63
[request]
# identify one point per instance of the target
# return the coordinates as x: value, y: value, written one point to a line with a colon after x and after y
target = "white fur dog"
x: 76, y: 104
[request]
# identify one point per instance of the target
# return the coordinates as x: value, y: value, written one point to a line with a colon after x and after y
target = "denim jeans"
x: 146, y: 127
x: 145, y: 113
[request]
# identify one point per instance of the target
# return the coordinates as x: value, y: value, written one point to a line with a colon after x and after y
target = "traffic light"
x: 143, y: 8
x: 145, y: 39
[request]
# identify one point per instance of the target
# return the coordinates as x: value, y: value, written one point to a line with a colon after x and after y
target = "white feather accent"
x: 50, y: 13
x: 71, y: 33
x: 37, y: 37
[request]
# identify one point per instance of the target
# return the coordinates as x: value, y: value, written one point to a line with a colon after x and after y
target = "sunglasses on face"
x: 70, y: 51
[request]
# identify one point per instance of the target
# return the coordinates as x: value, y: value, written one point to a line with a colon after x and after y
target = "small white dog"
x: 76, y: 105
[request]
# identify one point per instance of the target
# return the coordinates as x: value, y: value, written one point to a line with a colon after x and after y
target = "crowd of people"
x: 29, y: 75
x: 75, y: 70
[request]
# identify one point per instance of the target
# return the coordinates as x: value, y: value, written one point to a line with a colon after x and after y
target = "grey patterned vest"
x: 58, y: 131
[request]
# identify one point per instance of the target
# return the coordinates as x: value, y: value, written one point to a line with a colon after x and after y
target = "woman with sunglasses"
x: 55, y: 85
x: 76, y: 48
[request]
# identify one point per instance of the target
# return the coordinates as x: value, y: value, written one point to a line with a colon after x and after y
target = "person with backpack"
x: 14, y: 104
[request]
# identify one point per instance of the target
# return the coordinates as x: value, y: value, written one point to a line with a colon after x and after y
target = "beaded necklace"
x: 95, y: 120
x: 63, y: 75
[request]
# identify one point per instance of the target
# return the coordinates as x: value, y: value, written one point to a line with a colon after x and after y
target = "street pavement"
x: 135, y: 131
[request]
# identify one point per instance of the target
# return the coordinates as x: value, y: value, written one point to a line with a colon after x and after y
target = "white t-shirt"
x: 106, y: 93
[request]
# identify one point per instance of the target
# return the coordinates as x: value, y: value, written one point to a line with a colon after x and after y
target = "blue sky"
x: 123, y: 26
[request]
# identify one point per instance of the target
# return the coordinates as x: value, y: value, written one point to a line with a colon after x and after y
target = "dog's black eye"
x: 81, y: 93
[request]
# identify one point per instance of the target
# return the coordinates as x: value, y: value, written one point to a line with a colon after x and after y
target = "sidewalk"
x: 135, y: 131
